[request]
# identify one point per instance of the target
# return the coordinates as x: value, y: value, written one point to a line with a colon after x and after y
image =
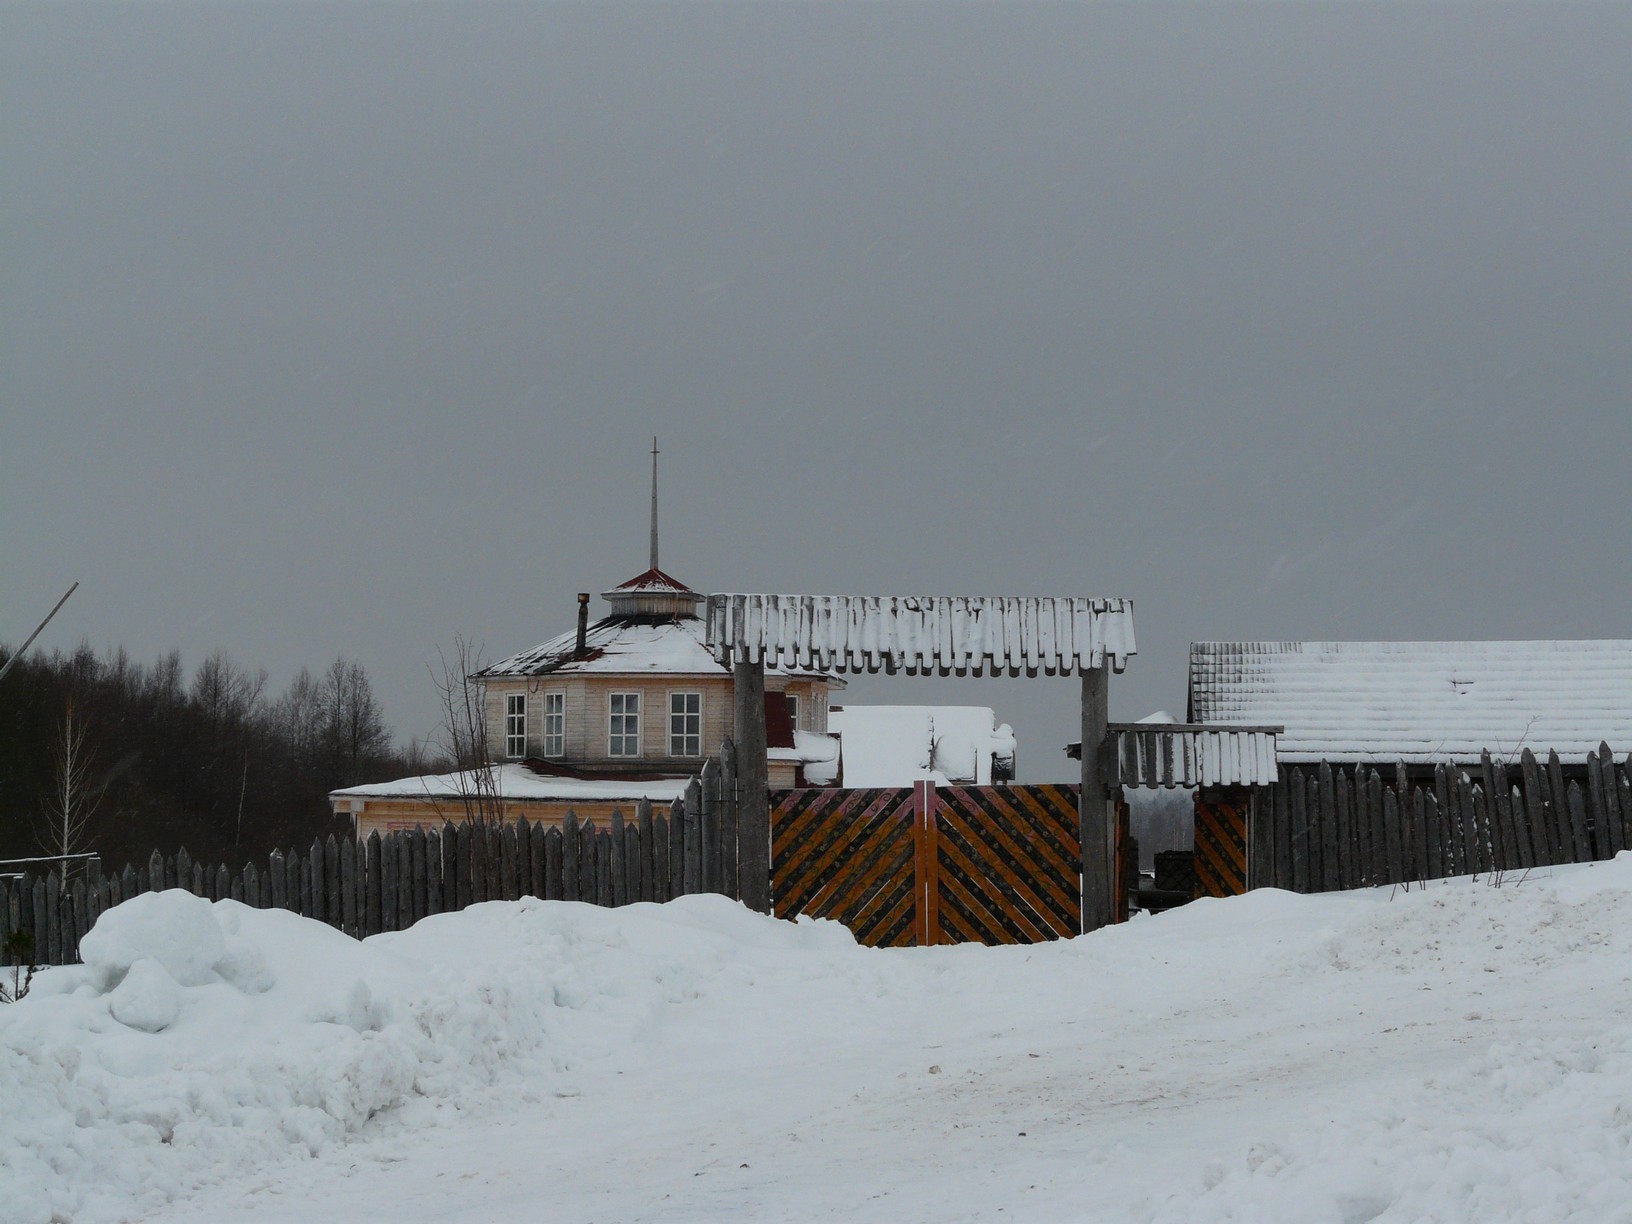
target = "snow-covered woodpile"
x: 935, y: 635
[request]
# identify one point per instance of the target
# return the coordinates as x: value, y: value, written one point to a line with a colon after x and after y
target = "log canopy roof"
x: 942, y: 635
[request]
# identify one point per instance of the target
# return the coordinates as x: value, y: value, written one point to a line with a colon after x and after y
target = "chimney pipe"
x: 583, y: 624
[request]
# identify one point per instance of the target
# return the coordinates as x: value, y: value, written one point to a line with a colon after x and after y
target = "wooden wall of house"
x: 587, y: 705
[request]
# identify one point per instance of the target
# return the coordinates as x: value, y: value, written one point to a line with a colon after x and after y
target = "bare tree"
x: 75, y: 795
x: 463, y: 734
x: 353, y: 729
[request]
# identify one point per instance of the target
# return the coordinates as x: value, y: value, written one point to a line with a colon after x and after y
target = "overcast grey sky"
x: 344, y: 328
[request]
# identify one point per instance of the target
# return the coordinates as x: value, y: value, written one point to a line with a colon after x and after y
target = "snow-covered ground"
x: 1455, y: 1053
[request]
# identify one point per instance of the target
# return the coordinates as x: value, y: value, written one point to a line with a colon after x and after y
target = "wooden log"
x: 461, y: 867
x: 348, y: 885
x: 603, y: 868
x: 450, y: 867
x: 1597, y: 822
x: 589, y: 854
x: 331, y: 881
x: 1543, y: 829
x: 279, y: 880
x: 184, y: 869
x: 571, y: 853
x: 1506, y: 824
x: 42, y: 925
x: 433, y: 872
x: 648, y: 850
x: 1623, y: 794
x: 370, y: 868
x: 316, y: 885
x: 1423, y: 833
x: 1335, y: 798
x: 708, y: 782
x: 1300, y: 831
x: 730, y: 832
x: 617, y: 869
x: 1471, y: 799
x: 554, y: 872
x: 1097, y: 819
x: 509, y: 851
x: 6, y: 924
x: 660, y: 860
x: 1612, y: 801
x: 478, y: 863
x: 677, y: 848
x: 538, y: 863
x: 251, y: 878
x: 390, y: 881
x: 631, y: 860
x: 1577, y: 805
x: 1394, y: 834
x: 419, y: 902
x: 694, y: 837
x: 524, y: 858
x: 1282, y: 833
x: 1580, y: 834
x: 73, y: 921
x: 1330, y: 862
x: 1501, y: 850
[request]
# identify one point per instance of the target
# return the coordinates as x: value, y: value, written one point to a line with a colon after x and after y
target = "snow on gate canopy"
x: 942, y: 635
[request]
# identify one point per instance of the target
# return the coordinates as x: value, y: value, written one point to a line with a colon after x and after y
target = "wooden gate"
x: 1221, y: 841
x: 931, y: 865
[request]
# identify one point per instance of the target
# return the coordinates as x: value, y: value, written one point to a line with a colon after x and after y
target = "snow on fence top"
x: 933, y: 634
x: 1419, y: 702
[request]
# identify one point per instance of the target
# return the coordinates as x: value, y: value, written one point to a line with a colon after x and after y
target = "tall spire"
x: 654, y: 503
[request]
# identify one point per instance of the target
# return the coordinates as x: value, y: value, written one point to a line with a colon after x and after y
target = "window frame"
x: 558, y: 698
x: 617, y: 738
x: 515, y: 726
x: 684, y: 735
x: 793, y: 708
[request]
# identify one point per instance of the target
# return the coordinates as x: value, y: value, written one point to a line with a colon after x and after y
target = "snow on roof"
x: 653, y: 581
x: 624, y: 645
x: 518, y: 782
x: 886, y: 745
x: 1419, y: 702
x: 943, y: 634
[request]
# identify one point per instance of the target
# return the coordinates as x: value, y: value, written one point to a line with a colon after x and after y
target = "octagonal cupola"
x: 653, y: 593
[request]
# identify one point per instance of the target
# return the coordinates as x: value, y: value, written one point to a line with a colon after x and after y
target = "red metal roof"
x: 654, y: 580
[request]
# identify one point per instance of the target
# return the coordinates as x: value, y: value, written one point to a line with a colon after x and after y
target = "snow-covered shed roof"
x: 516, y: 781
x: 1419, y: 702
x: 891, y: 745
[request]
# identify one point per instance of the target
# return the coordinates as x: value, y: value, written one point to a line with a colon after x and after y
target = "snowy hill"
x: 1455, y: 1053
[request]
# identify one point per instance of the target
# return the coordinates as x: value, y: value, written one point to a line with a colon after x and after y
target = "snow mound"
x: 200, y: 1040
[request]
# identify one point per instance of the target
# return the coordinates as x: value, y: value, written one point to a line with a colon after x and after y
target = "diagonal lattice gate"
x: 931, y: 865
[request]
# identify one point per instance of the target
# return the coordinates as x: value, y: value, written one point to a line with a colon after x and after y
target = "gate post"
x: 925, y: 866
x: 1093, y: 813
x: 754, y: 810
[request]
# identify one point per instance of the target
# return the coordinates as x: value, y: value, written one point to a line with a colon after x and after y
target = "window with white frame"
x: 515, y: 725
x: 793, y: 709
x: 555, y: 724
x: 686, y: 724
x: 623, y: 724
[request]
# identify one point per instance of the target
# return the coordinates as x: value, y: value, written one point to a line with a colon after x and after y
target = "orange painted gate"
x: 930, y: 865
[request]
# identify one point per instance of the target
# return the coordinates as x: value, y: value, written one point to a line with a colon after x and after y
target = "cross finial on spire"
x: 654, y: 503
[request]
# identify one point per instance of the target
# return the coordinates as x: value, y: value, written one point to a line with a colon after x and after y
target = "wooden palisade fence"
x: 389, y: 883
x: 1322, y: 829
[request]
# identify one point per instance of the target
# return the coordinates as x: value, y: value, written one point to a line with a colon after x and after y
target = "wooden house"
x: 597, y: 718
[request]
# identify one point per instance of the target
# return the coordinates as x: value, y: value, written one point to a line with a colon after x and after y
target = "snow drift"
x: 1454, y: 1053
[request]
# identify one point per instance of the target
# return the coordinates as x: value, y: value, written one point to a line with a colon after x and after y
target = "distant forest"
x: 108, y: 755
